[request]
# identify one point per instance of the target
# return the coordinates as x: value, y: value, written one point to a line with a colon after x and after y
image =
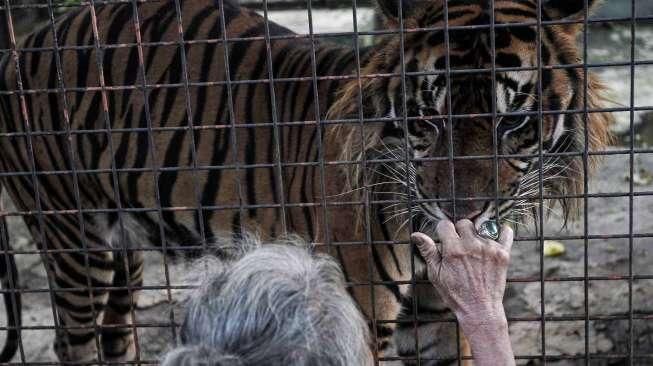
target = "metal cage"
x: 591, y: 306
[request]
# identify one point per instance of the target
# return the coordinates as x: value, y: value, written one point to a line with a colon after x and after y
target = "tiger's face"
x: 463, y: 107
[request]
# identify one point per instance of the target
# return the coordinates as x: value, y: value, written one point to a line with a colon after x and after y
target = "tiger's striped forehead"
x: 466, y: 12
x: 465, y: 55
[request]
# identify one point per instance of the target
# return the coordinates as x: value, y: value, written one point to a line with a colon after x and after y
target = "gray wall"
x: 621, y: 8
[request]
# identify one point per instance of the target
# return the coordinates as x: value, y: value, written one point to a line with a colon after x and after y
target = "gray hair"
x: 277, y: 304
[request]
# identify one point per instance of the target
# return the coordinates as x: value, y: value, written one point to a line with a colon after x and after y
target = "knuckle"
x: 473, y: 244
x: 444, y: 224
x: 455, y: 252
x: 464, y: 223
x: 502, y: 256
x: 445, y: 227
x: 475, y: 248
x: 458, y: 254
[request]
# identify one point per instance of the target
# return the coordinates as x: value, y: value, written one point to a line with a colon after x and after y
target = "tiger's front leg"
x: 373, y: 271
x: 79, y: 283
x: 382, y: 310
x: 118, y: 338
x: 377, y: 296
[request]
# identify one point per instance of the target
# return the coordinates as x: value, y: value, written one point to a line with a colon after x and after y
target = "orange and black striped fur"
x: 182, y: 166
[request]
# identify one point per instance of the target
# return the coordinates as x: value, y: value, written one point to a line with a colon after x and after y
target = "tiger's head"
x: 463, y: 107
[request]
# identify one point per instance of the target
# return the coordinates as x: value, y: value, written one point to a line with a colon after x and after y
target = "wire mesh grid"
x: 320, y: 78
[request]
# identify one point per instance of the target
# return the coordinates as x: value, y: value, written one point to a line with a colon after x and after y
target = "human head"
x: 276, y: 305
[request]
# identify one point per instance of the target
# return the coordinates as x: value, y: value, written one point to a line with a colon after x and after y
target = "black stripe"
x: 529, y: 14
x: 131, y: 72
x: 237, y: 53
x: 167, y: 179
x: 386, y: 237
x: 250, y: 151
x: 383, y: 274
x: 159, y: 23
x: 304, y: 188
x: 83, y: 58
x: 39, y: 40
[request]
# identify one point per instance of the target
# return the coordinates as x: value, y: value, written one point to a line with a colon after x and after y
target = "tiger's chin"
x: 426, y: 221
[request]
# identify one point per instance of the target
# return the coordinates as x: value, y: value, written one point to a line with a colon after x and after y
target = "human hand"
x: 469, y: 272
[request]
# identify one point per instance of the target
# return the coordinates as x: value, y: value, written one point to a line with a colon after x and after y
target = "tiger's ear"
x: 570, y: 10
x: 390, y: 9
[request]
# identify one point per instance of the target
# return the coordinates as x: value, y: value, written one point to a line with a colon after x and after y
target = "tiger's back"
x: 155, y: 139
x: 149, y: 111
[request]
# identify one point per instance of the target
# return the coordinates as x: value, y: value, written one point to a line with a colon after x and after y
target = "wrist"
x: 487, y: 333
x: 482, y: 329
x: 481, y: 315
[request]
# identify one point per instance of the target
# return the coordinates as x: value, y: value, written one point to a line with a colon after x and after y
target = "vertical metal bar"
x: 275, y: 118
x: 631, y: 187
x: 4, y: 228
x: 99, y: 53
x: 42, y: 250
x: 586, y: 184
x: 230, y: 108
x: 495, y: 140
x: 452, y: 176
x: 408, y: 161
x: 370, y: 268
x: 10, y: 260
x: 366, y: 204
x: 318, y: 125
x: 540, y: 226
x: 449, y: 108
x: 413, y: 250
x: 155, y: 167
x: 191, y: 126
x: 73, y: 166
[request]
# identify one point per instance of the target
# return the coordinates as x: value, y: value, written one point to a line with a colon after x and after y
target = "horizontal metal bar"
x: 452, y: 71
x: 198, y: 246
x: 317, y: 204
x: 328, y: 163
x: 532, y: 279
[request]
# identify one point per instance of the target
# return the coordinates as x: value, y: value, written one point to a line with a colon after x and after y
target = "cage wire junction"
x: 357, y: 39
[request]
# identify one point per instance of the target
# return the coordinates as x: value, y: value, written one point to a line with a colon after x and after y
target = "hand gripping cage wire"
x: 630, y: 326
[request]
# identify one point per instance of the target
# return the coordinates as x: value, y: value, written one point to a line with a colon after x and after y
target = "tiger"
x: 168, y: 123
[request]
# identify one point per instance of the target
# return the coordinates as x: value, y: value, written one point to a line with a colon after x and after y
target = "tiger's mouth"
x: 420, y: 201
x: 427, y: 214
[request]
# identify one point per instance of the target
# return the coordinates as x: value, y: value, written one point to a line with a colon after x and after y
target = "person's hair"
x: 277, y: 304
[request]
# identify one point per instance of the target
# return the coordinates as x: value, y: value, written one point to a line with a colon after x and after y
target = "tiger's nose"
x: 463, y: 210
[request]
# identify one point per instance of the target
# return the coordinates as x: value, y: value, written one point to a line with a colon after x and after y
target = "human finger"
x: 426, y: 247
x: 466, y: 229
x: 507, y: 237
x: 446, y: 231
